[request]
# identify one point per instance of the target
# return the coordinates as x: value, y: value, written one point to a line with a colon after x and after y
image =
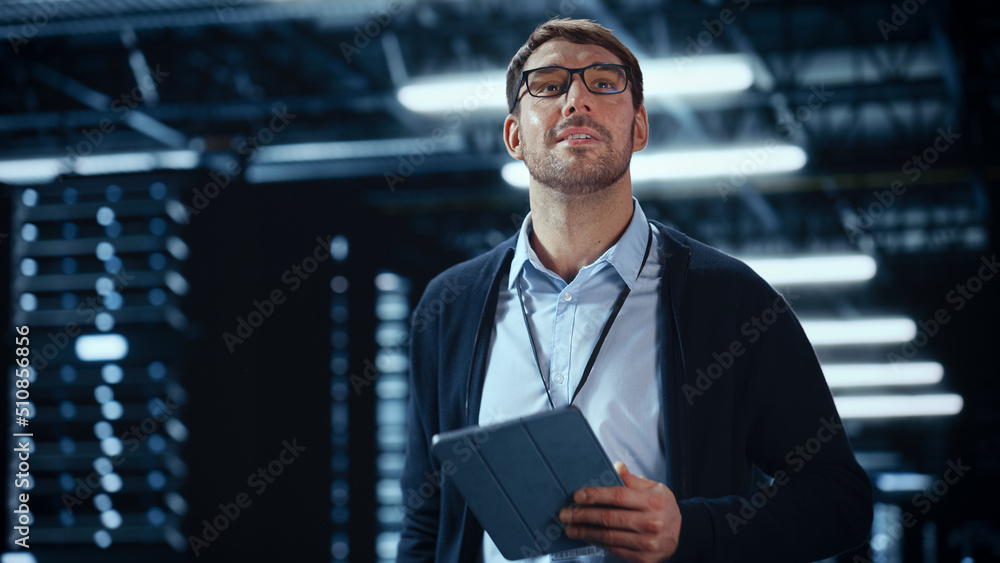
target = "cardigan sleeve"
x: 437, y: 524
x: 818, y: 500
x: 421, y: 494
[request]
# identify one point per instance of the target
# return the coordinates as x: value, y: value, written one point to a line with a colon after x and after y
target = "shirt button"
x: 558, y: 378
x: 568, y: 297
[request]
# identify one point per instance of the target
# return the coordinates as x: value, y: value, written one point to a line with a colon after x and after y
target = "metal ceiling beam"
x: 134, y: 118
x: 234, y: 110
x: 81, y: 17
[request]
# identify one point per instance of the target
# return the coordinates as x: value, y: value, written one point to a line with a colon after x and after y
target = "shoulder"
x: 465, y: 284
x: 705, y: 259
x: 709, y: 269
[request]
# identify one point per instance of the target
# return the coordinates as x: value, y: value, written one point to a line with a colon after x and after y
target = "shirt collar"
x: 625, y: 255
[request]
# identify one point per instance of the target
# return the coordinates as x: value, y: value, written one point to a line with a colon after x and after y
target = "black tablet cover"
x: 517, y: 475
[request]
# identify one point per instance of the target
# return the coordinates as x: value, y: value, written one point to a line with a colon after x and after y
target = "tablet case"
x: 517, y: 475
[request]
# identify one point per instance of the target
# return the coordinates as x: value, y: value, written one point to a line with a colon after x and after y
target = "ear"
x: 641, y: 134
x: 512, y: 137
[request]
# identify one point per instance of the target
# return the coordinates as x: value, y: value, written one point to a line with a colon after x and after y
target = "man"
x: 731, y: 443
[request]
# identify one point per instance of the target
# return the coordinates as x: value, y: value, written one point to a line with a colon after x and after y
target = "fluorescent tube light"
x: 111, y: 163
x: 746, y: 161
x: 97, y: 347
x: 135, y: 162
x: 688, y: 165
x: 864, y: 331
x: 485, y: 91
x: 178, y: 160
x: 30, y: 171
x: 814, y: 269
x: 893, y: 482
x: 890, y: 406
x: 461, y: 93
x: 46, y: 170
x: 346, y: 150
x: 871, y: 375
x: 687, y: 76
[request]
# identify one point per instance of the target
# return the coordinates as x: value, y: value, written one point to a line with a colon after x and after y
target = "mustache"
x: 578, y: 120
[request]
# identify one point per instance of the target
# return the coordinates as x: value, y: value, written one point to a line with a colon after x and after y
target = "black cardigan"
x: 743, y: 393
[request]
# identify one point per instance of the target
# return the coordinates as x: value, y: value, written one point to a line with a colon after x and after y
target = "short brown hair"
x: 582, y: 32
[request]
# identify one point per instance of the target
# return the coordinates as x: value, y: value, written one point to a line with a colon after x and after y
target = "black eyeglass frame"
x: 569, y: 83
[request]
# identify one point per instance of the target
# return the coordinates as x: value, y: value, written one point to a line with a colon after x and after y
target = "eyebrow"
x: 584, y: 66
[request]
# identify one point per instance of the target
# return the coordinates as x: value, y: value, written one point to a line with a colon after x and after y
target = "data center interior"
x: 217, y: 217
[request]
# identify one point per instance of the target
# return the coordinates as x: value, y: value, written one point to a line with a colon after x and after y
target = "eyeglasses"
x: 551, y: 81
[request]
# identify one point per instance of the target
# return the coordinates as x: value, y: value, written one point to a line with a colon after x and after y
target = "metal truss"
x: 828, y: 77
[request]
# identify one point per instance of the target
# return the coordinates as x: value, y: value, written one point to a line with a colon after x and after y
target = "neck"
x: 572, y: 231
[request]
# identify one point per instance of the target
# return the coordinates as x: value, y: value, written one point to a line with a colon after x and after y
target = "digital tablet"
x: 516, y: 476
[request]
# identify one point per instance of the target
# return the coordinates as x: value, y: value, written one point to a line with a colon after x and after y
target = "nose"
x: 577, y: 96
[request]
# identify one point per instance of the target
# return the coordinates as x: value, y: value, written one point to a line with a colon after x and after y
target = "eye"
x: 547, y: 82
x: 605, y: 79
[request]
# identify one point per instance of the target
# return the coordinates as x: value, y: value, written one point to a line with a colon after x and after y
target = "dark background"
x: 232, y: 63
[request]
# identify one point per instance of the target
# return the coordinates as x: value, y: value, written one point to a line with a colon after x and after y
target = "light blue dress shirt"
x: 621, y: 399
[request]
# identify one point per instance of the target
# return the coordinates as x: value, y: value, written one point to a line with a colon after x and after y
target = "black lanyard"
x: 604, y: 333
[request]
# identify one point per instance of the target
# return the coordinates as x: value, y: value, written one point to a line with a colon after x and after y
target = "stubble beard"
x: 571, y: 177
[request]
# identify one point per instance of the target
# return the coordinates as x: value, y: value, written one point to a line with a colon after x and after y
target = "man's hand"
x: 639, y: 522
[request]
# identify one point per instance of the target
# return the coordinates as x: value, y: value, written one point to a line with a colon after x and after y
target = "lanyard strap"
x: 604, y: 332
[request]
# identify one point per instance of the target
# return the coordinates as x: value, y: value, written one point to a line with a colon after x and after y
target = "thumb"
x: 625, y: 474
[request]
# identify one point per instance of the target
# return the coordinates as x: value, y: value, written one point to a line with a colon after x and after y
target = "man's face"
x: 545, y: 132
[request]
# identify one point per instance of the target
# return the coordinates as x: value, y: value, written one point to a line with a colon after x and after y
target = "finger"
x: 622, y: 497
x: 628, y: 478
x: 622, y: 469
x: 607, y: 538
x: 602, y: 517
x: 632, y: 480
x: 640, y: 522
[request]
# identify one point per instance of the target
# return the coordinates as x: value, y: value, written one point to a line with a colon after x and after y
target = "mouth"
x: 578, y: 136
